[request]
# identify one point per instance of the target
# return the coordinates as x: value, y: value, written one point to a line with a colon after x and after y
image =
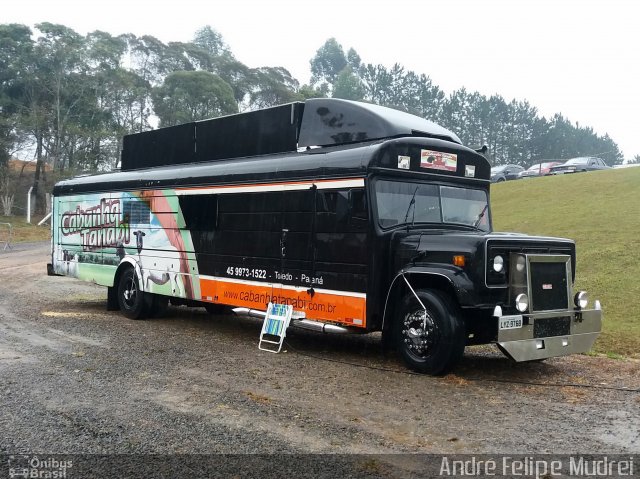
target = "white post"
x: 29, y: 205
x: 44, y: 219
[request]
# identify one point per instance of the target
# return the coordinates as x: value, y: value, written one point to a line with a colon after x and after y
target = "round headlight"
x: 522, y: 302
x: 581, y: 299
x: 520, y: 263
x: 498, y: 264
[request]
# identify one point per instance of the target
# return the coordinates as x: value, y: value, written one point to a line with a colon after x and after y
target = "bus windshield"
x: 409, y: 203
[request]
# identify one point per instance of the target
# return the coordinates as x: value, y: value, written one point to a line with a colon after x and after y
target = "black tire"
x: 133, y: 303
x: 440, y: 349
x: 499, y: 180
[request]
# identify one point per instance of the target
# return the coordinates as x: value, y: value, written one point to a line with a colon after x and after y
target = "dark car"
x: 583, y: 163
x: 539, y: 169
x: 505, y: 172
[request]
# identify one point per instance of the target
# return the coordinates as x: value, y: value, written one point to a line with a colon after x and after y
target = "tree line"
x: 513, y: 130
x: 68, y: 99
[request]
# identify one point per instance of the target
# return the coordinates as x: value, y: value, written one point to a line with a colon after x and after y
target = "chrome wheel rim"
x: 419, y: 334
x: 130, y: 293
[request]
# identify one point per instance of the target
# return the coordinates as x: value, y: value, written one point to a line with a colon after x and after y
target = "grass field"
x: 601, y: 212
x: 23, y: 231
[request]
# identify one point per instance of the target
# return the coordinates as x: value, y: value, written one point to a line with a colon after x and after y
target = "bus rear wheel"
x: 131, y: 299
x: 430, y: 340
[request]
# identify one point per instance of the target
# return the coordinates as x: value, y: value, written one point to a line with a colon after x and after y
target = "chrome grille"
x: 548, y: 286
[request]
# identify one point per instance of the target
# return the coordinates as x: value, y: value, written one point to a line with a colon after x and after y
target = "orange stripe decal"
x: 330, y: 307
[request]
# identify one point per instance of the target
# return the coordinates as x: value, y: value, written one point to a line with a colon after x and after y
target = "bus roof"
x: 400, y: 156
x: 286, y: 128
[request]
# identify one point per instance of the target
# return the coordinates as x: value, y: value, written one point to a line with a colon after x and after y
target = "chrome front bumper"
x: 521, y: 344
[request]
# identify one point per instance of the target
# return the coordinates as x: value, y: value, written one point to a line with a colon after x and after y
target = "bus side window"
x: 343, y: 208
x: 358, y: 204
x: 136, y: 212
x: 335, y: 203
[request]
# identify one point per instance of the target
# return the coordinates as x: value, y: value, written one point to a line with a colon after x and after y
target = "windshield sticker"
x: 404, y: 162
x: 470, y: 171
x: 438, y: 160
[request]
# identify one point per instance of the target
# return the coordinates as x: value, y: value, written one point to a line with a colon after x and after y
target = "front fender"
x: 454, y: 281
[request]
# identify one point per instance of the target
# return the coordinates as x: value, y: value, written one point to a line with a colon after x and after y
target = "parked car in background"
x: 583, y: 163
x: 627, y: 165
x: 505, y: 172
x: 539, y: 169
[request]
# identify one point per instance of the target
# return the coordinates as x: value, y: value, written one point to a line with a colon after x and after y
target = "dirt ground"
x: 75, y: 378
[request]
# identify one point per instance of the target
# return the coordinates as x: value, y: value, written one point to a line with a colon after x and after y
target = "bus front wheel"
x: 131, y: 299
x: 429, y: 339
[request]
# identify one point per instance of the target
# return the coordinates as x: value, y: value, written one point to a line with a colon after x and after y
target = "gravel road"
x: 76, y: 378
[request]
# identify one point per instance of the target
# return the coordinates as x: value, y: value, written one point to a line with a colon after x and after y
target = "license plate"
x: 510, y: 322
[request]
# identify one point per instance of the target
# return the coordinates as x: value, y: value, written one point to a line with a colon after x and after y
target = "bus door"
x: 340, y: 255
x: 297, y: 248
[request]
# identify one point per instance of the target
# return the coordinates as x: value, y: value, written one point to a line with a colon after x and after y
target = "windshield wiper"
x: 481, y: 215
x: 412, y: 202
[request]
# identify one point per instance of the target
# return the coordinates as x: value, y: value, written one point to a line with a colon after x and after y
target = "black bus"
x: 363, y: 218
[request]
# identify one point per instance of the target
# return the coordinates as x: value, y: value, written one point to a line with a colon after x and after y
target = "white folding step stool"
x: 275, y: 324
